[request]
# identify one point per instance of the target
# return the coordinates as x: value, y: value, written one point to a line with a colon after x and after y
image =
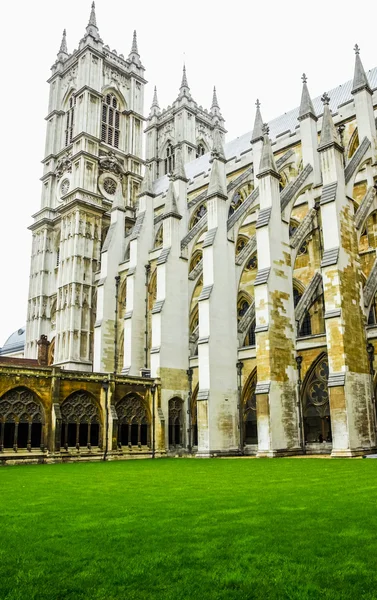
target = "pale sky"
x: 247, y: 49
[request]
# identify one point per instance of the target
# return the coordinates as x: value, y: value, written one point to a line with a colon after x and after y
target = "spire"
x: 155, y: 103
x: 92, y: 18
x: 329, y: 134
x: 267, y: 164
x: 360, y: 80
x: 184, y: 83
x: 258, y: 125
x: 146, y: 184
x: 92, y: 28
x: 306, y: 106
x: 63, y: 51
x: 215, y: 103
x: 179, y: 169
x: 171, y: 208
x: 134, y: 49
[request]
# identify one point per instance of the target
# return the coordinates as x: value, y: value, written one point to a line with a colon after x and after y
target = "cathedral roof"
x: 15, y: 342
x: 283, y: 124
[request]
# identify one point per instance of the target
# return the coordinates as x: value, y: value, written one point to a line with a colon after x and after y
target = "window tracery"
x: 21, y: 419
x: 198, y: 214
x: 200, y: 150
x: 316, y: 406
x: 110, y: 128
x: 175, y: 422
x: 70, y: 120
x: 169, y: 161
x: 250, y: 413
x: 133, y: 422
x: 80, y: 421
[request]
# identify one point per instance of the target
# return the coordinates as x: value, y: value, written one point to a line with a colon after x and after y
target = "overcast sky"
x: 247, y: 49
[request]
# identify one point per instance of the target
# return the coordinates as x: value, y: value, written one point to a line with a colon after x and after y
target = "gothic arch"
x: 249, y: 410
x: 110, y: 89
x: 65, y: 100
x: 198, y: 214
x: 176, y: 422
x: 194, y: 416
x: 353, y: 143
x: 159, y: 237
x: 81, y: 420
x: 315, y: 402
x: 134, y: 420
x: 22, y: 420
x: 239, y: 195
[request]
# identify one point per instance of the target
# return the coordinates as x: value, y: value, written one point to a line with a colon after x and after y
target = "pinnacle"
x: 217, y: 148
x: 184, y: 83
x: 215, y: 103
x: 306, y: 105
x: 267, y: 164
x: 258, y: 125
x: 92, y: 28
x: 155, y: 99
x: 146, y: 185
x: 329, y: 134
x: 134, y: 49
x: 179, y: 170
x: 171, y: 208
x: 360, y: 80
x: 63, y: 46
x: 92, y: 18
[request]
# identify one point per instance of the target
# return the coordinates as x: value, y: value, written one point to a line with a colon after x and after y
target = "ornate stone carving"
x: 110, y: 163
x: 80, y: 408
x: 20, y: 406
x: 64, y: 165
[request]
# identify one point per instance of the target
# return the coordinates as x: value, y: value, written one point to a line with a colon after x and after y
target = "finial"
x: 257, y: 104
x: 356, y: 49
x: 134, y: 49
x: 304, y: 78
x: 325, y: 99
x: 266, y: 129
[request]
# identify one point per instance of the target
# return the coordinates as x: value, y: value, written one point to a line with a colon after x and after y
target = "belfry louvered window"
x: 110, y: 121
x: 70, y: 119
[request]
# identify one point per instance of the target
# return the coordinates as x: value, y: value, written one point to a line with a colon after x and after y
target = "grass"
x: 189, y: 529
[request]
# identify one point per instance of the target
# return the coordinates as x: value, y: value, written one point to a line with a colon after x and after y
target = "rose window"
x: 110, y: 186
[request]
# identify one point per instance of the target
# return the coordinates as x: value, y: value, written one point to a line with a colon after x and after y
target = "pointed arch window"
x: 110, y: 130
x: 175, y: 422
x: 316, y: 406
x: 200, y: 151
x: 250, y: 432
x: 70, y: 120
x: 80, y: 421
x: 133, y: 422
x: 169, y: 161
x: 21, y: 420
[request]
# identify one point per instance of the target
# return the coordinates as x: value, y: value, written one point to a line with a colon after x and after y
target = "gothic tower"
x: 185, y: 125
x: 91, y: 178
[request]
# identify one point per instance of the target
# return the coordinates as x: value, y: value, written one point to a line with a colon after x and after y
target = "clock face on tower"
x: 64, y: 187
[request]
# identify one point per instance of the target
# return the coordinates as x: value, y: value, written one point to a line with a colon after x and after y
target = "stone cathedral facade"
x: 224, y: 292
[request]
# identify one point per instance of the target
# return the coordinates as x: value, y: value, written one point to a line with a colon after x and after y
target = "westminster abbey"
x: 203, y: 297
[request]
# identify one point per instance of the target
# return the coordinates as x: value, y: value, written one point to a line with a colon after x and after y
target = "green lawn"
x: 189, y: 529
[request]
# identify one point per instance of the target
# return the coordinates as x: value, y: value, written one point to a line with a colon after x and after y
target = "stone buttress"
x: 169, y: 352
x: 111, y: 255
x: 349, y: 378
x: 275, y: 325
x: 217, y: 345
x: 141, y: 240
